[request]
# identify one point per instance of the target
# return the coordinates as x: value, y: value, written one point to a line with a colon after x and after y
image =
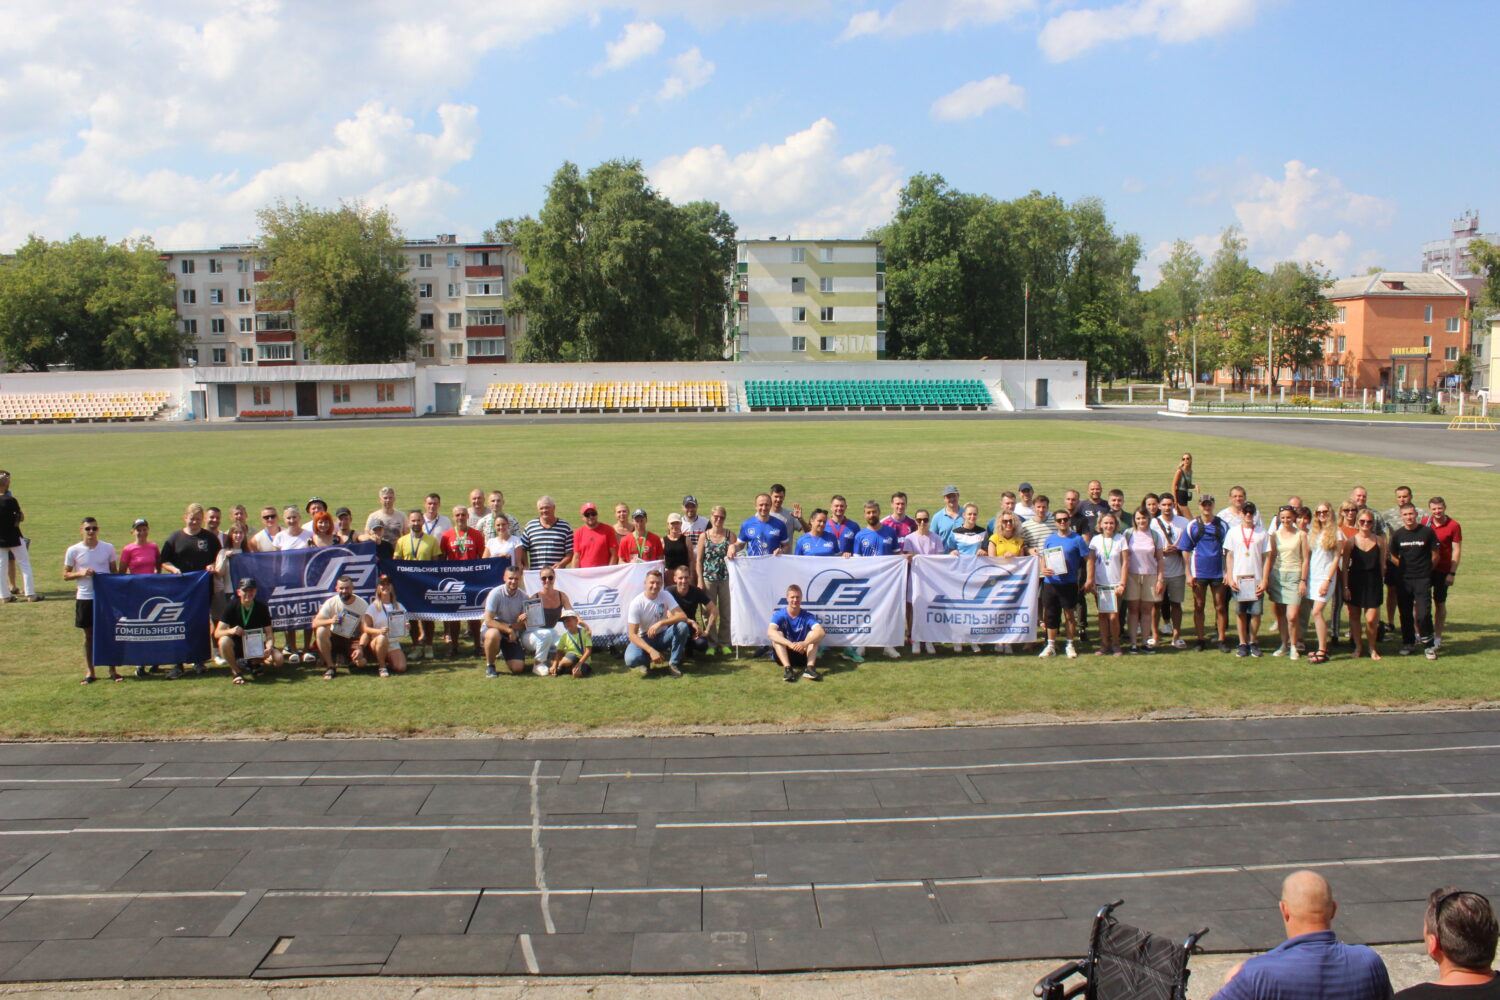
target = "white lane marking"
x: 529, y: 954
x: 366, y: 893
x: 162, y: 894
x: 1214, y: 870
x: 1062, y: 762
x: 296, y: 828
x: 1048, y: 814
x: 60, y: 781
x: 536, y: 857
x: 405, y: 776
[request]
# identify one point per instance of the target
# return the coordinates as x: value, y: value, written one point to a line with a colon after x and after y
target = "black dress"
x: 1365, y: 589
x: 674, y: 554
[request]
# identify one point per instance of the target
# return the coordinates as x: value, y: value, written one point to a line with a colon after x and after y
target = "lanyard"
x: 1106, y: 547
x: 245, y: 615
x: 642, y: 550
x: 1248, y: 534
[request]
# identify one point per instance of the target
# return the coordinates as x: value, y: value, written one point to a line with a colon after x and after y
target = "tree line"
x: 615, y: 271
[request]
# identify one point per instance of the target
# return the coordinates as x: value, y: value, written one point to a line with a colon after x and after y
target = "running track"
x: 314, y: 857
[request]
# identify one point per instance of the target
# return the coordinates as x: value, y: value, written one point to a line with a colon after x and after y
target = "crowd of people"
x: 1321, y: 570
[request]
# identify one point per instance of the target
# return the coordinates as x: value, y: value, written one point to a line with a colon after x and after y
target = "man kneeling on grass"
x: 795, y: 635
x: 243, y: 634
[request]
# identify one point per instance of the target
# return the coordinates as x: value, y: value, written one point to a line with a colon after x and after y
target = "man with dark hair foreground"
x: 1460, y: 933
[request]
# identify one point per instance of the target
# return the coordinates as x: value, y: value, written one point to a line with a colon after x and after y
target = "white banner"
x: 859, y: 602
x: 600, y: 594
x: 976, y: 599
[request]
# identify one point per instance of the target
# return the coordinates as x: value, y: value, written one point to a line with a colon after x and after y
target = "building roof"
x: 1423, y: 284
x: 811, y: 239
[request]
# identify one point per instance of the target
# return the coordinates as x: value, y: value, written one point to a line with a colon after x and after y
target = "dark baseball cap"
x: 1024, y: 486
x: 246, y: 583
x: 1248, y: 508
x: 313, y: 500
x: 690, y: 501
x: 140, y: 522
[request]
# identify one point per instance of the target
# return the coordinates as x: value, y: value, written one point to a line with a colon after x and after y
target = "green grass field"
x: 119, y: 476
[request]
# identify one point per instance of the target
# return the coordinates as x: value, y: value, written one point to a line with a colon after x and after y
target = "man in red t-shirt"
x: 1444, y: 562
x: 640, y: 545
x: 593, y: 543
x: 461, y: 543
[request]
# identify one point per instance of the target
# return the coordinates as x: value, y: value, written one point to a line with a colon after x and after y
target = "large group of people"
x: 1320, y: 571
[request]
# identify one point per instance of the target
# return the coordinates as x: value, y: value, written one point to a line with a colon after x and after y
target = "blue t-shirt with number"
x: 818, y: 545
x: 794, y: 629
x: 762, y: 538
x: 878, y: 541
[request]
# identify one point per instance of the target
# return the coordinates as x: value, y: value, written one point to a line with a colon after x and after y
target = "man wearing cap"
x: 343, y: 526
x: 13, y: 551
x: 243, y: 615
x: 950, y: 517
x: 1024, y: 502
x: 640, y: 545
x: 693, y: 523
x: 593, y: 543
x: 573, y: 645
x: 1203, y: 542
x: 1247, y: 557
x: 386, y: 514
x: 141, y: 557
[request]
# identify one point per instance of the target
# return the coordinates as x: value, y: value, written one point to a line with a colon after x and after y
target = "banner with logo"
x: 445, y: 591
x: 600, y: 594
x: 295, y: 584
x: 143, y: 621
x: 859, y: 602
x: 975, y: 599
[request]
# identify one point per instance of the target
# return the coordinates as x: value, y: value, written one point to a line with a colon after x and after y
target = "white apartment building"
x: 808, y: 300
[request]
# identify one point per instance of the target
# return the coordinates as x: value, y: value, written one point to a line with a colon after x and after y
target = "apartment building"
x: 808, y: 300
x: 1452, y: 255
x: 460, y: 291
x: 1396, y: 330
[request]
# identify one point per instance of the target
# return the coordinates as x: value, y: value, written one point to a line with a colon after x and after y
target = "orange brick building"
x: 1410, y: 314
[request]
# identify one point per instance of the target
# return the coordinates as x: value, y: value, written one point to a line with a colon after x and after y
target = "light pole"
x: 1025, y: 338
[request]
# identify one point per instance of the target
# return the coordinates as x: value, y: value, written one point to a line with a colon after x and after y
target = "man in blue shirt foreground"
x: 795, y: 635
x: 1311, y: 964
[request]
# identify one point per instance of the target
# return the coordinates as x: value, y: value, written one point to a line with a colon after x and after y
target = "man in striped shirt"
x: 1037, y: 528
x: 549, y: 539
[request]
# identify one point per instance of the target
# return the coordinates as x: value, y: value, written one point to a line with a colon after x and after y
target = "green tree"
x: 1291, y: 303
x: 1173, y: 313
x: 1486, y: 264
x: 1229, y: 305
x: 343, y: 271
x: 616, y: 272
x: 88, y: 303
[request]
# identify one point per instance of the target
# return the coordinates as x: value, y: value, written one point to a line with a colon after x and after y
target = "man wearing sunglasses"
x: 1063, y: 554
x: 81, y: 562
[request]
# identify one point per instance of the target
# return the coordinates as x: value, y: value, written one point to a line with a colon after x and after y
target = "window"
x: 486, y: 317
x: 189, y: 326
x: 742, y: 252
x: 826, y: 314
x: 1342, y: 342
x: 189, y: 296
x: 429, y: 350
x: 880, y: 255
x: 742, y: 315
x: 879, y: 313
x: 826, y: 344
x: 385, y: 392
x: 215, y: 266
x: 307, y: 353
x: 799, y: 285
x: 455, y: 321
x: 1450, y: 354
x: 274, y: 322
x: 191, y: 356
x: 216, y: 296
x: 424, y: 289
x: 798, y: 255
x: 247, y: 356
x: 452, y: 262
x: 799, y: 314
x: 825, y: 285
x: 494, y: 286
x: 243, y: 265
x: 243, y: 295
x: 425, y: 321
x: 1450, y: 325
x: 1427, y: 314
x: 340, y: 392
x: 424, y: 260
x: 486, y: 347
x: 454, y: 291
x: 247, y: 324
x: 219, y: 355
x: 827, y: 254
x: 799, y: 343
x: 216, y: 326
x: 880, y: 281
x: 273, y: 352
x: 484, y: 258
x: 187, y: 267
x: 1343, y: 312
x: 1426, y: 341
x: 456, y: 350
x: 261, y: 394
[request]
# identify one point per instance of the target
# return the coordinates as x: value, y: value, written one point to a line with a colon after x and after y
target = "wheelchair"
x: 1123, y: 963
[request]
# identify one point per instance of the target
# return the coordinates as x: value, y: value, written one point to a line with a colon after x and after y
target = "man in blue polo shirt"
x: 1204, y: 544
x: 1063, y: 554
x: 875, y: 539
x: 1311, y: 964
x: 763, y: 535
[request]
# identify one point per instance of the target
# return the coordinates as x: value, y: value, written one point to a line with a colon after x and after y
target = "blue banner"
x: 444, y: 591
x: 143, y: 621
x: 294, y: 584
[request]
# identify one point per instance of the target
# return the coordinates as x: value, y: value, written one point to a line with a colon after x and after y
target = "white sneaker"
x: 892, y: 653
x: 916, y: 648
x: 974, y: 647
x: 1071, y: 652
x: 219, y: 660
x: 1050, y: 650
x: 1293, y: 654
x: 932, y: 648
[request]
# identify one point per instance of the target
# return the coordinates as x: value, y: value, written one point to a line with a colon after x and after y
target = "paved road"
x: 847, y: 850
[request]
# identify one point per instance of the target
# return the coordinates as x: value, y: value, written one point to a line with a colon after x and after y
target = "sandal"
x: 89, y: 679
x: 116, y: 678
x: 237, y: 679
x: 329, y: 674
x: 384, y: 672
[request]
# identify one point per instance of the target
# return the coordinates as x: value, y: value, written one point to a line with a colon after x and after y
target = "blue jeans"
x: 670, y: 640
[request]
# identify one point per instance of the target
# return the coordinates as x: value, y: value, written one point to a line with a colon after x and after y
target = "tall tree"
x: 1229, y: 305
x: 616, y: 272
x: 344, y: 272
x: 1486, y: 264
x: 88, y: 303
x: 1174, y: 316
x: 1292, y: 305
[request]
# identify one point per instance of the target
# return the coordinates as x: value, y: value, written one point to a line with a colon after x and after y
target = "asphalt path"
x: 272, y: 859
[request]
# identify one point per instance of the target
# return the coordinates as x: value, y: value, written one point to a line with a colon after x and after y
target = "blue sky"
x: 1345, y: 132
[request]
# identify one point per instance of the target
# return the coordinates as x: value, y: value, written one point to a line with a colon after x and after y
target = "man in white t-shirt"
x: 82, y: 561
x: 655, y: 625
x: 1169, y: 527
x: 1233, y: 514
x: 1247, y: 553
x: 693, y: 523
x: 336, y: 627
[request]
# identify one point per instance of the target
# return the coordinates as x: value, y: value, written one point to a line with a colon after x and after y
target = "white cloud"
x: 639, y: 40
x: 803, y: 186
x: 910, y: 17
x: 978, y: 96
x: 1064, y: 140
x: 1132, y: 185
x: 1074, y: 32
x: 689, y: 72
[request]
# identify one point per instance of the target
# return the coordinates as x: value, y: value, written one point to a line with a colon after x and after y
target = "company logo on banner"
x: 859, y: 602
x: 294, y: 584
x: 445, y: 591
x: 600, y: 594
x: 147, y: 620
x: 974, y: 599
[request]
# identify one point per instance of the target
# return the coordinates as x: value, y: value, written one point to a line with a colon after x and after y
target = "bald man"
x: 1311, y: 964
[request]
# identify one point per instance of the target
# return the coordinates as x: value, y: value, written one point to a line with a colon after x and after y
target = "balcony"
x: 742, y: 296
x: 497, y: 330
x: 484, y: 271
x: 275, y: 336
x: 262, y: 276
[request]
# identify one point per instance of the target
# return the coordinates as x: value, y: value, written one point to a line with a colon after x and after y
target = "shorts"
x: 342, y: 646
x: 510, y: 649
x: 1140, y: 587
x: 1176, y: 590
x: 1251, y: 608
x: 83, y: 613
x: 1056, y: 597
x: 794, y: 658
x: 1208, y: 581
x: 1440, y: 588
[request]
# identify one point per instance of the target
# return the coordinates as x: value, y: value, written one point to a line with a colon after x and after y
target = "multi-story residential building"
x: 1452, y: 256
x: 460, y: 291
x: 808, y: 300
x: 1395, y: 330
